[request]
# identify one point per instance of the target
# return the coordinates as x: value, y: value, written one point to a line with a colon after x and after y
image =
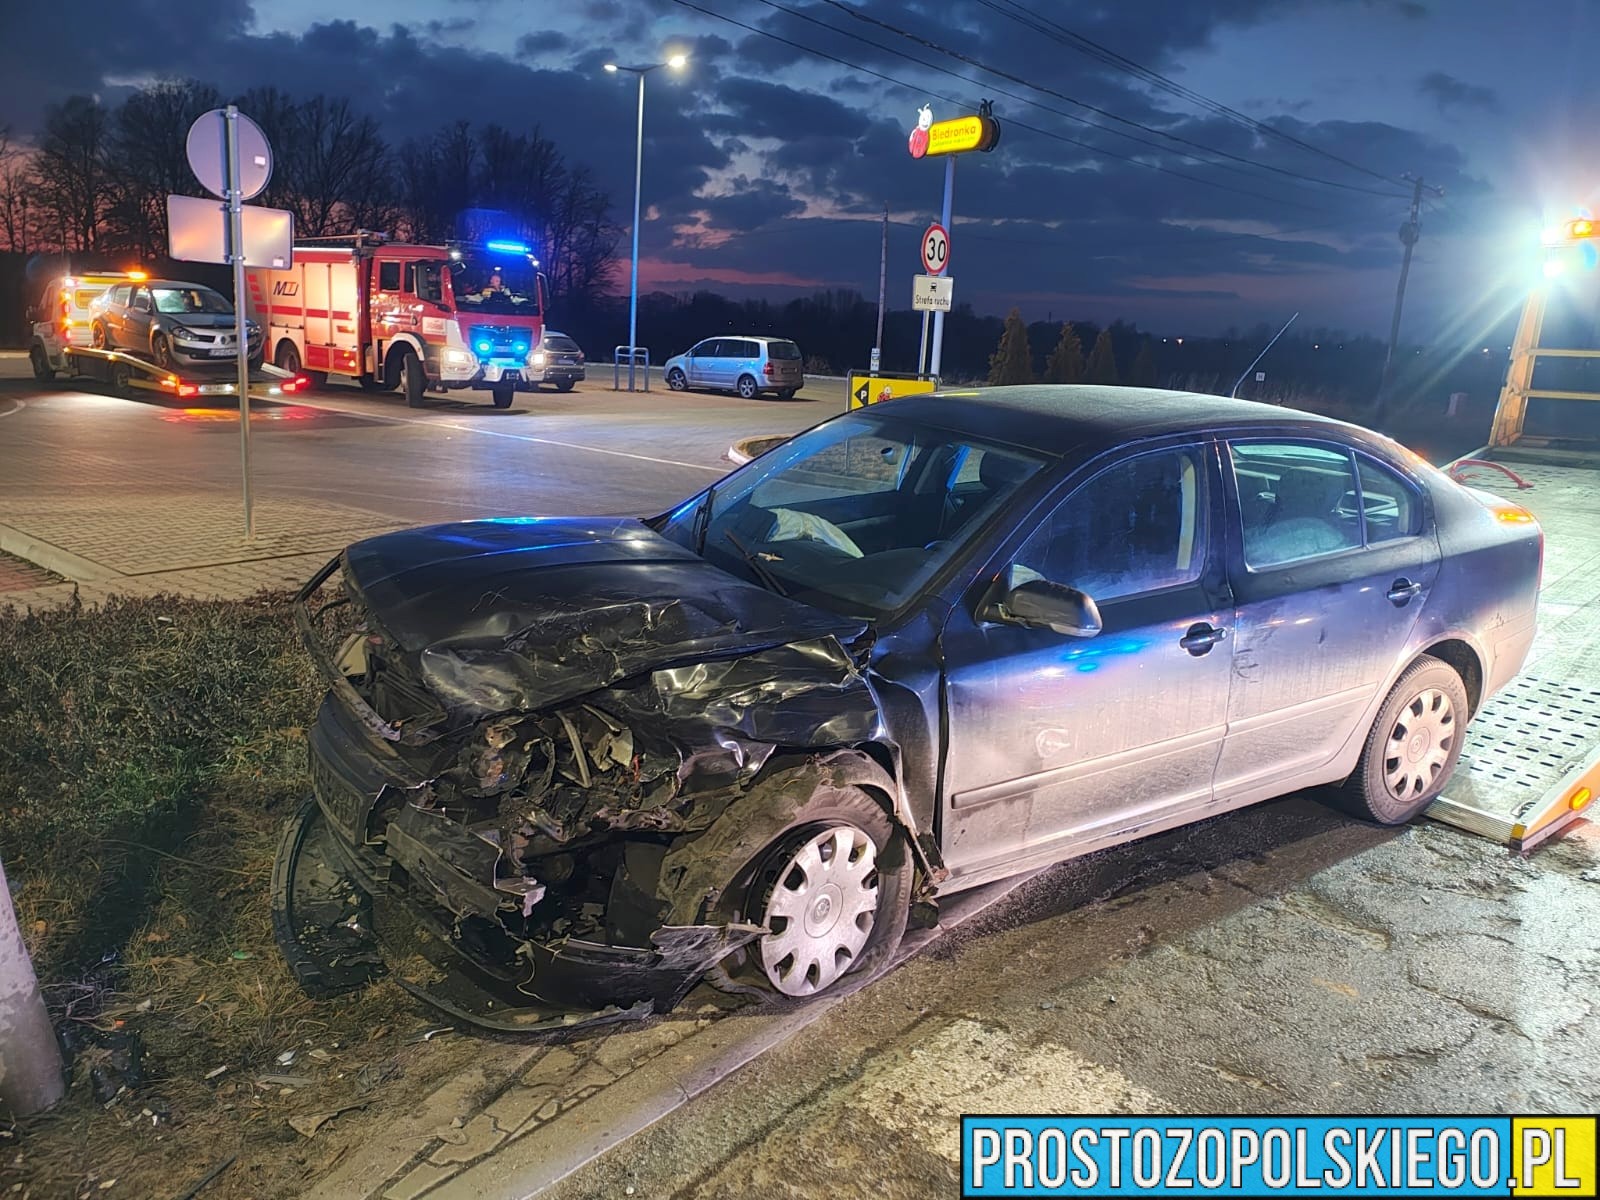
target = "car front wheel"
x: 1412, y: 747
x: 832, y: 887
x: 42, y: 370
x: 161, y: 351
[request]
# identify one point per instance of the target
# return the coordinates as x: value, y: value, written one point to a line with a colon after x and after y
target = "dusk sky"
x: 766, y: 166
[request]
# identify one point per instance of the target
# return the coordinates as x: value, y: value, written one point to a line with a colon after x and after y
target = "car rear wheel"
x: 503, y: 396
x: 42, y: 370
x: 748, y: 387
x: 161, y: 351
x: 1412, y: 747
x: 677, y: 380
x: 413, y: 381
x: 788, y: 393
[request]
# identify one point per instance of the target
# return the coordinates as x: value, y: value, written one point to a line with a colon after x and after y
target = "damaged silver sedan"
x: 568, y: 768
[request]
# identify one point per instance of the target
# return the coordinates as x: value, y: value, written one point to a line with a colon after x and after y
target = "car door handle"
x: 1402, y: 591
x: 1201, y: 637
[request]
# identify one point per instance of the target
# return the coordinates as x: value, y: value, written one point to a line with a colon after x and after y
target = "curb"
x: 53, y: 558
x: 749, y: 448
x: 528, y: 1166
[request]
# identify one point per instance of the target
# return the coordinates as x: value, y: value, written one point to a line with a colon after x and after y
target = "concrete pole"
x: 242, y: 348
x: 1409, y: 232
x: 31, y: 1077
x: 883, y: 281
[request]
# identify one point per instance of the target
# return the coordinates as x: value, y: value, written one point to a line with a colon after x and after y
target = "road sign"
x: 935, y: 249
x: 208, y: 154
x: 1261, y: 376
x: 871, y: 388
x: 932, y: 293
x: 197, y: 232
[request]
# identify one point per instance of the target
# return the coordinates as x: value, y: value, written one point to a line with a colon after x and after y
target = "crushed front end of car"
x: 527, y: 728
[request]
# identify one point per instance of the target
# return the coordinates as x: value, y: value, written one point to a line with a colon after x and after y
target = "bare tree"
x: 17, y: 185
x: 74, y: 180
x: 149, y: 160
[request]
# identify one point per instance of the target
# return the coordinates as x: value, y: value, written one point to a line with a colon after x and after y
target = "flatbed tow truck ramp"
x: 1531, y: 764
x: 128, y: 373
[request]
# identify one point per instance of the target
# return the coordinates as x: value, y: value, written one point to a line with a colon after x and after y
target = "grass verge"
x: 149, y: 752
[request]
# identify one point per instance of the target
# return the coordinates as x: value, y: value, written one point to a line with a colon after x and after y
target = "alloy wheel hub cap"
x: 821, y: 911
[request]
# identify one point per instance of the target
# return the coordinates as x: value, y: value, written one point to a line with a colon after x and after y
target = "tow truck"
x: 60, y: 348
x: 393, y: 315
x: 1531, y: 764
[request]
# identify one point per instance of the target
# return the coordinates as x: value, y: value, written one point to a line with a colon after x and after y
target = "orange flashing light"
x: 1579, y: 800
x: 1582, y: 227
x: 138, y: 276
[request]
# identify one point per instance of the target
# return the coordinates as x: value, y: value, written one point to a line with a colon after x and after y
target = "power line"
x: 1086, y: 45
x: 927, y: 44
x: 1011, y: 122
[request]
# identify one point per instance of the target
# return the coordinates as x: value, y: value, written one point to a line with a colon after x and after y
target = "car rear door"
x: 1326, y: 597
x: 1056, y: 741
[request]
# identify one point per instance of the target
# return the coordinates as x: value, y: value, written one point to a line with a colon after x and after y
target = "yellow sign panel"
x: 870, y: 389
x: 1553, y: 1156
x: 954, y: 137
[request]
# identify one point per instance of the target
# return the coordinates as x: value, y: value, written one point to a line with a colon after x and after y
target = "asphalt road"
x: 589, y: 451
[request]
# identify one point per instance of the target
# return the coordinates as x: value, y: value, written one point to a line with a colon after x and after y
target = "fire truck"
x: 417, y: 318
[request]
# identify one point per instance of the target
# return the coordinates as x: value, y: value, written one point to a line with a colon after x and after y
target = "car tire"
x: 677, y: 381
x: 823, y: 844
x: 748, y: 388
x: 503, y: 397
x: 122, y: 379
x: 1413, y: 745
x: 788, y: 393
x: 413, y: 380
x: 98, y: 337
x: 42, y: 370
x: 566, y: 385
x: 161, y: 351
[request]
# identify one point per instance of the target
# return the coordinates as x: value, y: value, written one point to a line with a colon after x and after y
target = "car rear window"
x: 787, y: 350
x: 559, y: 343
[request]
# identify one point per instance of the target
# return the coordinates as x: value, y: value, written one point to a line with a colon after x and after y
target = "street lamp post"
x: 676, y: 62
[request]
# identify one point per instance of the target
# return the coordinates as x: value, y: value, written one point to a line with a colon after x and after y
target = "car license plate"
x: 220, y: 351
x: 215, y: 389
x: 510, y: 376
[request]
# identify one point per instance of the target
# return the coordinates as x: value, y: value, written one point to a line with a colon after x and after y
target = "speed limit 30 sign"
x: 935, y: 250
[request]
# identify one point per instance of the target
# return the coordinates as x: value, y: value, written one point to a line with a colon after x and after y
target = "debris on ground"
x: 309, y: 1123
x: 111, y: 1061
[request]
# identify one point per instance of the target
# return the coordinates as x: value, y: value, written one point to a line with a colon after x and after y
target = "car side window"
x: 1138, y: 526
x: 141, y: 300
x: 388, y: 277
x: 749, y: 349
x: 1390, y: 506
x: 1297, y: 500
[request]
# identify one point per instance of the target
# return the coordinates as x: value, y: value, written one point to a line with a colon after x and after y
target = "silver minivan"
x: 746, y: 365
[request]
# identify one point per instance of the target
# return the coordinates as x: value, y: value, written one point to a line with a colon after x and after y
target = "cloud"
x: 1450, y: 93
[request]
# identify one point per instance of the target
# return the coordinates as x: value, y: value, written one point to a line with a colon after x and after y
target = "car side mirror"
x: 1040, y: 604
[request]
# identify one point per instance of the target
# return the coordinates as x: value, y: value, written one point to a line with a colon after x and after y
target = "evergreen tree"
x: 1066, y: 360
x: 1103, y: 360
x: 1144, y: 367
x: 1012, y: 362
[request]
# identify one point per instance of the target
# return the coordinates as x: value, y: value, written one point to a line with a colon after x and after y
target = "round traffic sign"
x: 208, y: 154
x: 935, y: 250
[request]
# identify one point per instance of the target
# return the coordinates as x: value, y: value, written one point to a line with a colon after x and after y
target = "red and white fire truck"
x: 418, y: 318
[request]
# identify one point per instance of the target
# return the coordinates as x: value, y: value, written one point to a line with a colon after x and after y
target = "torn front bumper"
x: 348, y: 906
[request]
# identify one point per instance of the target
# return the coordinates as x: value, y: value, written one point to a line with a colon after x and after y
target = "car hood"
x: 525, y: 613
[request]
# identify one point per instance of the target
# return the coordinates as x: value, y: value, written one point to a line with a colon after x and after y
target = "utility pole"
x: 1409, y: 233
x: 31, y: 1078
x: 883, y: 280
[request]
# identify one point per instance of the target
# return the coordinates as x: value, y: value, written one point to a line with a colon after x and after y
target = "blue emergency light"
x: 507, y: 247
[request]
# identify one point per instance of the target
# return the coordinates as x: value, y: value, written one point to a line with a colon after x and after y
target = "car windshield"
x: 190, y: 300
x: 503, y: 284
x: 857, y: 515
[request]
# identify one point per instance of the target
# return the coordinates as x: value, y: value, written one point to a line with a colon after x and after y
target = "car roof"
x: 1062, y: 418
x: 177, y: 283
x: 749, y: 337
